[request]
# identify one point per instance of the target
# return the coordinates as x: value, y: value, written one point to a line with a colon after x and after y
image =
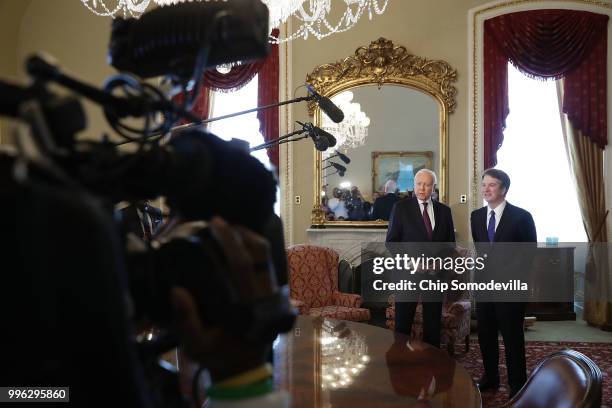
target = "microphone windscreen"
x: 321, y: 144
x: 343, y: 157
x: 167, y: 40
x: 331, y: 141
x: 331, y: 110
x: 338, y: 167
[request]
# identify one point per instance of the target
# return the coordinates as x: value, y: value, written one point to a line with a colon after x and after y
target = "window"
x: 245, y: 127
x: 533, y: 154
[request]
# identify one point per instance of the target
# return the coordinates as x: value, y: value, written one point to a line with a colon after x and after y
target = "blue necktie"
x: 491, y: 228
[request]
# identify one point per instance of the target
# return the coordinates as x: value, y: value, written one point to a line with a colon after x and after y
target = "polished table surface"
x: 332, y: 363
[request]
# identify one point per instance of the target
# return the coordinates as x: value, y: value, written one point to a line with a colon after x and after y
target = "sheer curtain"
x: 558, y: 44
x: 541, y: 184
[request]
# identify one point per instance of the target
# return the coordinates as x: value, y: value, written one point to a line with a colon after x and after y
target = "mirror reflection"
x: 388, y: 134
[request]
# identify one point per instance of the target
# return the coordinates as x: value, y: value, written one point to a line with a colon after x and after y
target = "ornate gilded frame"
x: 383, y: 62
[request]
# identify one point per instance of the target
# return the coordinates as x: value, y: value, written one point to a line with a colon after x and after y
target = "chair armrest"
x: 346, y: 299
x: 301, y: 307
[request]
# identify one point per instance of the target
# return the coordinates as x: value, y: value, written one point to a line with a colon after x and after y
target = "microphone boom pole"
x: 231, y: 115
x: 279, y: 140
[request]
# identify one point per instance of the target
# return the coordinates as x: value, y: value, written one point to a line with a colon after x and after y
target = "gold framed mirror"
x: 396, y: 109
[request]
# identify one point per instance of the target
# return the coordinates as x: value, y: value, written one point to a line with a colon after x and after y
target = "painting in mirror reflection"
x: 384, y: 127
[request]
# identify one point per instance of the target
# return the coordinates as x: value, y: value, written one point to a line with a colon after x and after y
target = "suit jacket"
x: 406, y: 223
x: 515, y: 225
x: 383, y: 206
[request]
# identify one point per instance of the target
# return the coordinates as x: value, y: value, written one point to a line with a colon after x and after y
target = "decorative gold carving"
x: 380, y: 63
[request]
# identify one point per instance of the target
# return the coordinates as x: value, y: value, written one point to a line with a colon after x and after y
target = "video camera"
x: 65, y: 254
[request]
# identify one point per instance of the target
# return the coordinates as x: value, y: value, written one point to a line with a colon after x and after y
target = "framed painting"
x: 400, y: 167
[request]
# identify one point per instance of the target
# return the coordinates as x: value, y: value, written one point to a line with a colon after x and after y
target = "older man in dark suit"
x: 384, y: 204
x: 420, y: 220
x: 500, y: 221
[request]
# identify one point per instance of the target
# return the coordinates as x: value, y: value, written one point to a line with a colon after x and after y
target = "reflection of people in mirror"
x: 355, y: 205
x: 337, y: 205
x: 384, y: 204
x: 435, y: 195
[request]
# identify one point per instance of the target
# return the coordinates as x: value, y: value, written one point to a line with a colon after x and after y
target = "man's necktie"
x: 427, y: 222
x: 491, y: 228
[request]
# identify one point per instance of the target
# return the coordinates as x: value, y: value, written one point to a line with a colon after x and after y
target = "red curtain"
x: 546, y: 44
x: 267, y: 93
x: 240, y: 75
x: 200, y: 107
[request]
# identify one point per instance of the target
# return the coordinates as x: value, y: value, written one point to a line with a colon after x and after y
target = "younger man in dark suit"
x: 420, y: 219
x: 500, y: 221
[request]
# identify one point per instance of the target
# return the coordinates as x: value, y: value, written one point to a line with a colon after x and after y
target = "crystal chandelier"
x: 353, y: 130
x: 344, y: 355
x: 310, y: 17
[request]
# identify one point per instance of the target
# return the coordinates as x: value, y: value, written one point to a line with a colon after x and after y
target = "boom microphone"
x: 331, y: 141
x: 321, y: 143
x: 339, y: 167
x: 167, y: 40
x: 326, y: 105
x: 343, y: 157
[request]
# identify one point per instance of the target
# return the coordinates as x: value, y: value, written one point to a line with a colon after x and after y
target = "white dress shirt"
x: 430, y: 211
x: 499, y: 210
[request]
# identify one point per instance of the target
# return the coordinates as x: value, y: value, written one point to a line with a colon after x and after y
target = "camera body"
x: 197, y: 173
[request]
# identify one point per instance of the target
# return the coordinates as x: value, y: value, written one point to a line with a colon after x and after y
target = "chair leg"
x: 450, y: 347
x: 467, y: 343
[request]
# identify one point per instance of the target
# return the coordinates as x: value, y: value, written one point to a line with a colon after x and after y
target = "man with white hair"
x: 420, y: 219
x: 383, y: 205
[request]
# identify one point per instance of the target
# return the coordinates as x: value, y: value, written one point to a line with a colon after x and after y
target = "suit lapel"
x: 437, y: 218
x: 418, y: 216
x: 482, y: 224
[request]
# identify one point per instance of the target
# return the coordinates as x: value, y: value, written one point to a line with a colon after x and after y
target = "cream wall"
x: 433, y: 29
x: 11, y: 13
x: 65, y: 30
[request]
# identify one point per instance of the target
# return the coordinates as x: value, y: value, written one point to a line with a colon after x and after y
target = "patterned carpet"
x: 600, y: 353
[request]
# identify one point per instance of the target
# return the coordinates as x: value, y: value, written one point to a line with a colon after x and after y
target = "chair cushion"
x: 341, y: 312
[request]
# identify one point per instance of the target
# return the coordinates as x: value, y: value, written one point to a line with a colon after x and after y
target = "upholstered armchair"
x: 313, y: 285
x: 455, y: 322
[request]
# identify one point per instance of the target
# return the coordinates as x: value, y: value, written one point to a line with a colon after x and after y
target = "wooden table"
x: 331, y: 363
